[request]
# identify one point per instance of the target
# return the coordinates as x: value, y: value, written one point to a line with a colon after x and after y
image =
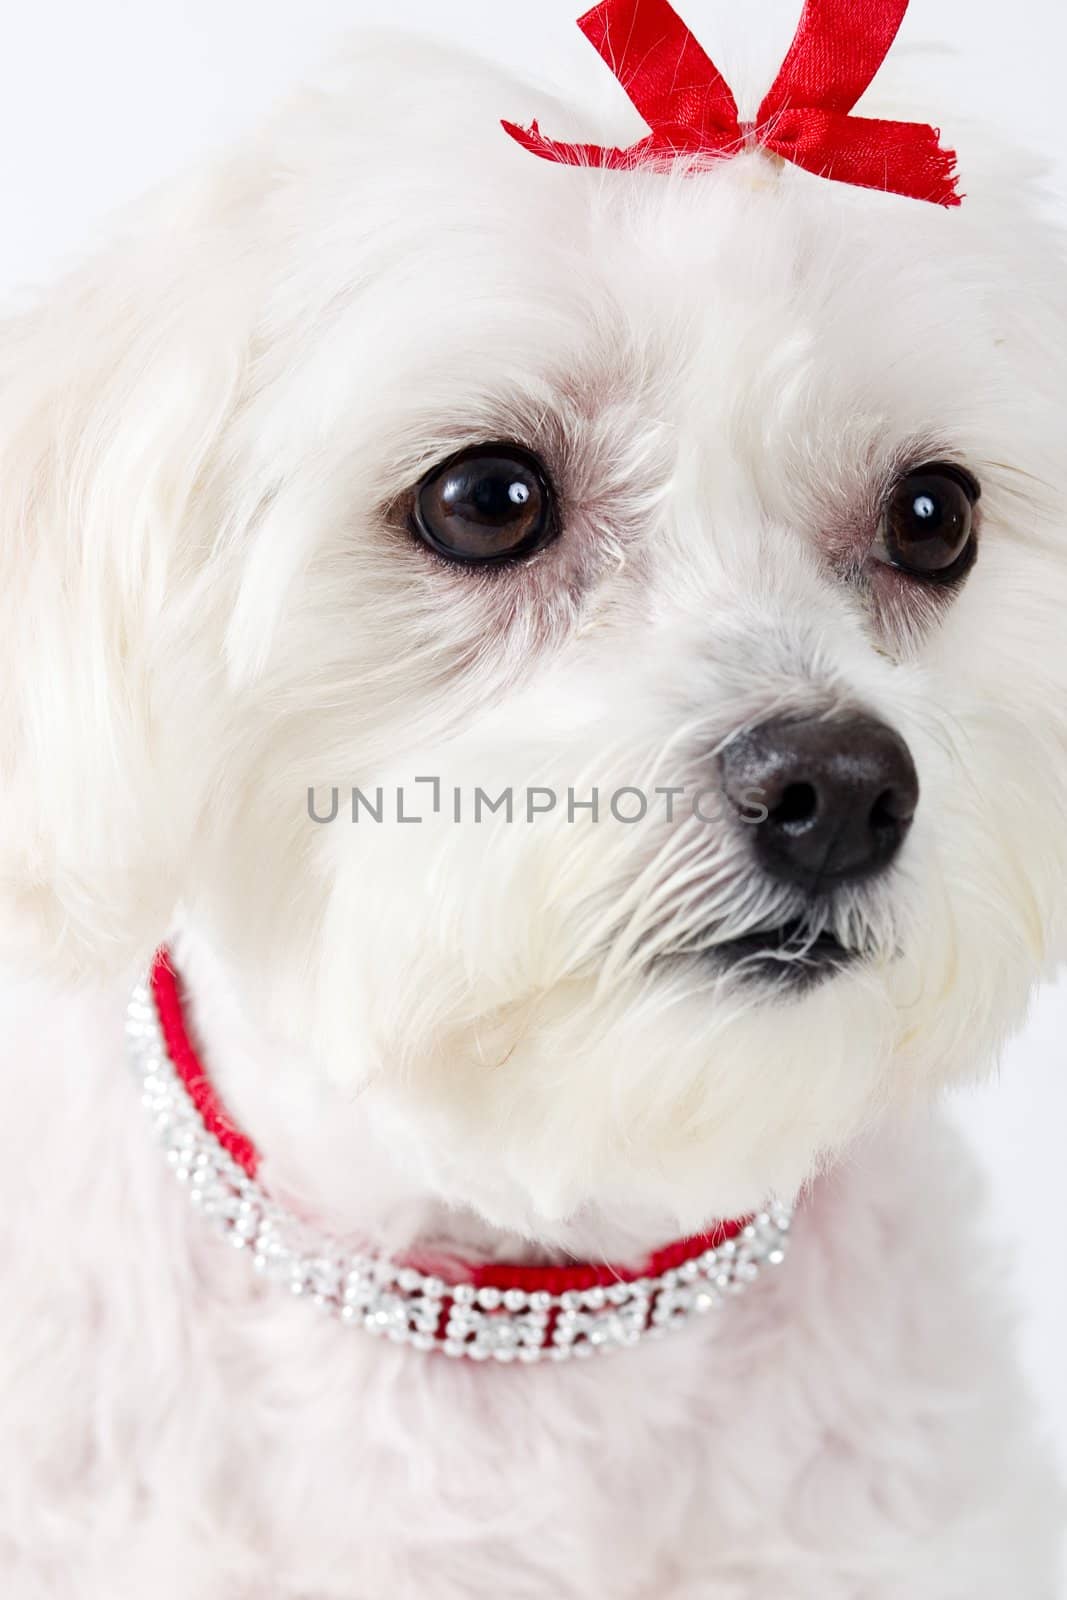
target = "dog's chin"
x: 788, y: 959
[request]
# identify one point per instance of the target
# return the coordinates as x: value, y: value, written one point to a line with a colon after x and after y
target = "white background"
x: 99, y: 101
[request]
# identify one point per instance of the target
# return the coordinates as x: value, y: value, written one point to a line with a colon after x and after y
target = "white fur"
x: 208, y: 604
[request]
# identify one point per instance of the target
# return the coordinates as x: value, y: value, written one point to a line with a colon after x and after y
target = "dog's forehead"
x: 441, y: 195
x: 738, y: 273
x: 483, y: 286
x: 746, y: 245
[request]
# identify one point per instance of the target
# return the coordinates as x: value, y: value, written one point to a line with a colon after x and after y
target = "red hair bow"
x: 688, y: 105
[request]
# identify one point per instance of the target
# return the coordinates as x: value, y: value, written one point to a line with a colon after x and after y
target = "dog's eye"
x: 928, y: 524
x: 491, y: 503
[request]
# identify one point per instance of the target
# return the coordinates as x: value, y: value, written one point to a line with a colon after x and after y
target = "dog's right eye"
x: 490, y: 504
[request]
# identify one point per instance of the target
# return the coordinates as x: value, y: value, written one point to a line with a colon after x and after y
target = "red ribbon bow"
x: 688, y: 105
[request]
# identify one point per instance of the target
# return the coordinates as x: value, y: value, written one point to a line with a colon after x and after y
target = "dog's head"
x: 686, y: 551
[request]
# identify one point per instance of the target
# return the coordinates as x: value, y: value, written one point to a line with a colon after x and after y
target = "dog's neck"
x: 335, y: 1157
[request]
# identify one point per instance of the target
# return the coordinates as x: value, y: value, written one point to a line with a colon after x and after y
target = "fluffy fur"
x: 514, y: 1035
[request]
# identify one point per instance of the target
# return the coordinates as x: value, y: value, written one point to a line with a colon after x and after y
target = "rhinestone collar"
x: 496, y: 1312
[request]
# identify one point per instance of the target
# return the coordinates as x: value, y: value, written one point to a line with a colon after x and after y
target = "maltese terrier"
x: 559, y: 645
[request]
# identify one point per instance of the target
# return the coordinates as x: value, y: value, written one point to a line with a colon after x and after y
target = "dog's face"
x: 734, y: 499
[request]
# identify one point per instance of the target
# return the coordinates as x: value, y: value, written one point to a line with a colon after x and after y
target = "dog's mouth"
x: 790, y: 956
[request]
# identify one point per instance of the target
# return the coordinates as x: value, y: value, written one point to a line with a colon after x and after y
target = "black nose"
x: 829, y: 799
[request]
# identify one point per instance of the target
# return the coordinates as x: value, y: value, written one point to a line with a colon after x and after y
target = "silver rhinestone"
x: 390, y: 1312
x: 325, y: 1277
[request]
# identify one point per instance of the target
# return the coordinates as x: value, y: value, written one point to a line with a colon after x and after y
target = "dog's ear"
x: 114, y: 396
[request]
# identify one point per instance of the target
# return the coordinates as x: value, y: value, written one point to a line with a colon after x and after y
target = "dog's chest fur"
x: 175, y: 1426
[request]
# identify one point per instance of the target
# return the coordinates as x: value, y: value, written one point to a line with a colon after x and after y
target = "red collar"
x: 187, y: 1063
x: 489, y: 1308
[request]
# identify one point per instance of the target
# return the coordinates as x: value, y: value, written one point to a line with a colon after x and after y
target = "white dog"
x: 386, y: 457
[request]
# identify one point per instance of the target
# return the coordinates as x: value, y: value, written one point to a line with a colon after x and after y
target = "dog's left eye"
x: 492, y: 503
x: 928, y: 526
